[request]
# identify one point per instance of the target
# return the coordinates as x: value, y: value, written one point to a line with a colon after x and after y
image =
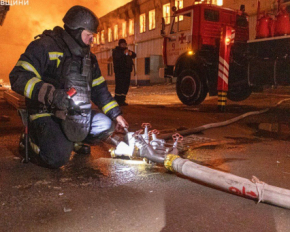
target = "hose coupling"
x: 112, y: 152
x: 168, y: 161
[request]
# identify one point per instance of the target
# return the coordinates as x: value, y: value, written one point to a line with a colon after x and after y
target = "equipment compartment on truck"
x: 269, y: 61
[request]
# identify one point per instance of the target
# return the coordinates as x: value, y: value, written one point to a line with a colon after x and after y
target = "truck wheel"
x: 191, y: 90
x: 239, y: 93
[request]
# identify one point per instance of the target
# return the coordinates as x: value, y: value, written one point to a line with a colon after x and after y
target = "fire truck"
x: 207, y: 48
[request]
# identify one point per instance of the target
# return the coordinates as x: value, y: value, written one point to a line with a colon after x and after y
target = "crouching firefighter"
x: 59, y: 78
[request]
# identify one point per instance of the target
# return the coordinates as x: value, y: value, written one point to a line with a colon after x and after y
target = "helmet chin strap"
x: 77, y: 35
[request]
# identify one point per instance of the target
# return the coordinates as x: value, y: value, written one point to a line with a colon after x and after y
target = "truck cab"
x: 191, y: 51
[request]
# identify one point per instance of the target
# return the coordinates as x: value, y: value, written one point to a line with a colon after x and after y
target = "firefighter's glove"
x: 60, y: 99
x: 45, y: 95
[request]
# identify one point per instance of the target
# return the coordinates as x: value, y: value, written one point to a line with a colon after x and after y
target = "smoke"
x: 24, y: 22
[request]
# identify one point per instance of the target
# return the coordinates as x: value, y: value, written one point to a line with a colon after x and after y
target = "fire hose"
x: 254, y: 188
x: 220, y: 124
x: 156, y: 151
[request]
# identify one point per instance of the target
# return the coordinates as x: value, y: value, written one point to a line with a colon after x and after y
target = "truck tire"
x: 239, y: 93
x: 190, y: 88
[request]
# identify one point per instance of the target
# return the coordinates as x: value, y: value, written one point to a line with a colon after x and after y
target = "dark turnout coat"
x: 43, y: 62
x: 122, y: 63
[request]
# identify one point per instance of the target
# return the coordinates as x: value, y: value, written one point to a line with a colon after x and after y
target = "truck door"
x: 179, y: 39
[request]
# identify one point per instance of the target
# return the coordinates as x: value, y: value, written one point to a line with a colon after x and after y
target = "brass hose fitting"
x: 168, y: 161
x: 112, y: 152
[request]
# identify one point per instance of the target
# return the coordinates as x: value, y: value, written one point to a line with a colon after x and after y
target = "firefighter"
x: 123, y: 66
x: 57, y: 61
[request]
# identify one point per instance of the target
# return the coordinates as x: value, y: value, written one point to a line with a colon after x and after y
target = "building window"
x: 142, y: 23
x: 211, y: 15
x: 110, y: 69
x: 147, y: 65
x: 214, y: 2
x: 166, y: 13
x: 116, y: 31
x: 109, y: 34
x: 102, y: 37
x: 124, y: 29
x: 131, y: 27
x: 152, y: 19
x: 219, y: 2
x: 98, y: 38
x: 179, y: 5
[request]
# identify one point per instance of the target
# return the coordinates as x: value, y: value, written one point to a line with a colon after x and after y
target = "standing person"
x: 123, y: 66
x: 59, y: 60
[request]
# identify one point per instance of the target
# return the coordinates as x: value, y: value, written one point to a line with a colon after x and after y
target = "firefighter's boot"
x: 82, y: 149
x: 33, y: 151
x: 21, y: 148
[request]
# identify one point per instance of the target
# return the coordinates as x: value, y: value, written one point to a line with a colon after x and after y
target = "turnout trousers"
x: 122, y: 81
x: 49, y: 146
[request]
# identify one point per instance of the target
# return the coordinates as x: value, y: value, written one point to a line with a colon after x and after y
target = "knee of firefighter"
x: 103, y: 124
x: 55, y: 158
x: 110, y: 127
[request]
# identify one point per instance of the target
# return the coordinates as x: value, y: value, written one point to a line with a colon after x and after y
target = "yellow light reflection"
x: 190, y: 52
x: 138, y: 162
x: 228, y: 40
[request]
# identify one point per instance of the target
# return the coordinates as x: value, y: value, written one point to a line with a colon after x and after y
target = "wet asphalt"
x: 97, y: 193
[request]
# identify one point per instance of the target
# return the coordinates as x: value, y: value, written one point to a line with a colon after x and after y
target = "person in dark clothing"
x: 123, y: 66
x: 52, y: 65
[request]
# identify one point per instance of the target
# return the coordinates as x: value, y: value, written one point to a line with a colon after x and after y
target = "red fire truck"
x: 208, y: 50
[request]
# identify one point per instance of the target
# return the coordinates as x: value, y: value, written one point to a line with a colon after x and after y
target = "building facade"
x: 4, y: 8
x: 140, y: 23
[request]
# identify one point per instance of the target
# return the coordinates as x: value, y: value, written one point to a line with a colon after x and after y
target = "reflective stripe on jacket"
x: 42, y: 62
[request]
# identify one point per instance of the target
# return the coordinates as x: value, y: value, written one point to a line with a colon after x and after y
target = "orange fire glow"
x: 23, y: 22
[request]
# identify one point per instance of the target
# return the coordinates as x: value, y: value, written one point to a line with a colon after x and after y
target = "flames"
x: 23, y: 22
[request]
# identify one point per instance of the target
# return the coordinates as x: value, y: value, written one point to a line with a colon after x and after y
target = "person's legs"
x: 101, y: 128
x: 119, y: 82
x: 126, y: 85
x: 49, y: 146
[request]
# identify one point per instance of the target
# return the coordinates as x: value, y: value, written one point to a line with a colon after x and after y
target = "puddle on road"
x: 209, y: 159
x: 243, y: 140
x: 212, y: 108
x: 207, y: 155
x: 155, y: 107
x: 99, y: 170
x: 211, y: 153
x: 280, y: 131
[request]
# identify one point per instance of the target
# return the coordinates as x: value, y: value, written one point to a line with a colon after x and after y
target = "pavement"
x: 98, y: 193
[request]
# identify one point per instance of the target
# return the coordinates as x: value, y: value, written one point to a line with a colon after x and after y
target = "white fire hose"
x: 254, y: 189
x: 220, y: 124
